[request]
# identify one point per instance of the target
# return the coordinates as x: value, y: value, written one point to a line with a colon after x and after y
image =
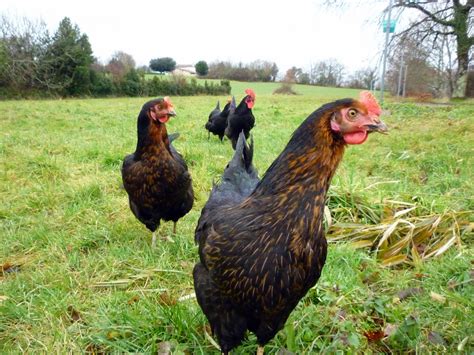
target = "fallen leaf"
x: 166, y: 299
x: 436, y: 338
x: 341, y: 315
x: 423, y: 177
x: 73, y: 314
x: 94, y: 349
x: 452, y: 284
x: 9, y: 268
x: 186, y: 264
x: 463, y: 343
x: 372, y: 277
x: 187, y: 297
x: 133, y: 300
x: 164, y: 348
x: 437, y: 297
x: 113, y: 334
x: 409, y: 292
x: 390, y: 329
x: 378, y: 321
x: 374, y: 335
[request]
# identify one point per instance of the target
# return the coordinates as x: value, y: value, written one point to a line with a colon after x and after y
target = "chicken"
x: 260, y: 256
x: 217, y: 121
x: 156, y: 176
x: 214, y: 113
x: 241, y: 119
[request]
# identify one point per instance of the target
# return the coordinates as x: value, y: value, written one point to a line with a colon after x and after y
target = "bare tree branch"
x: 431, y: 15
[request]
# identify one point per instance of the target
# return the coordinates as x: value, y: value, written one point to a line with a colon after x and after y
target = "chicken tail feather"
x: 173, y: 136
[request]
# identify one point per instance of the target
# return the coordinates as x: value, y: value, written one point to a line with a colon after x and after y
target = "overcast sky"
x: 290, y: 32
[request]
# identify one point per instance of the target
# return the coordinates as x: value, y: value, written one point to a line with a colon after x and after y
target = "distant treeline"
x: 259, y: 70
x: 35, y: 64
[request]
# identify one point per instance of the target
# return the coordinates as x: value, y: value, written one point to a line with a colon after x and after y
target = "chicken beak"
x: 377, y: 127
x: 171, y: 113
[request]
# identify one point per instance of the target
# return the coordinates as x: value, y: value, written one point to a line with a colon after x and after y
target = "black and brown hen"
x: 217, y: 121
x: 241, y: 118
x: 261, y: 255
x: 156, y: 176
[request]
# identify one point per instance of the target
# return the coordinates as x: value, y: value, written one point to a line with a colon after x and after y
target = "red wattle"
x: 358, y: 137
x: 163, y: 119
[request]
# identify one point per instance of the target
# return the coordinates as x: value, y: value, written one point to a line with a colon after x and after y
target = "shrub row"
x: 134, y: 84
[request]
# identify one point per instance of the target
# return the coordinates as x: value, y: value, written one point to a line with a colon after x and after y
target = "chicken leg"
x: 153, y: 240
x: 260, y: 350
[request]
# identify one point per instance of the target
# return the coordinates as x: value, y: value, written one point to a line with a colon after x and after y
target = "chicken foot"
x: 153, y: 240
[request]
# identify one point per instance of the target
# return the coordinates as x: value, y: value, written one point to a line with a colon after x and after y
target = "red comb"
x: 167, y: 100
x: 251, y: 93
x: 369, y: 100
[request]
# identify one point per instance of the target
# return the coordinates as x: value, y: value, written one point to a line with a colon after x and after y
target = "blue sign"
x: 391, y: 27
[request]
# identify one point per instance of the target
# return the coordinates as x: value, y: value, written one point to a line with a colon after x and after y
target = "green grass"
x: 80, y: 273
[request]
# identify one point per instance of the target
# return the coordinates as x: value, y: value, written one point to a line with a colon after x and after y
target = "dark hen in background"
x: 241, y: 119
x: 156, y: 176
x: 260, y: 256
x: 217, y: 121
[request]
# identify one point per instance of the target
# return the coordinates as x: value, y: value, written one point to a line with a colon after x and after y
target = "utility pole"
x: 400, y: 73
x: 405, y: 80
x: 385, y: 50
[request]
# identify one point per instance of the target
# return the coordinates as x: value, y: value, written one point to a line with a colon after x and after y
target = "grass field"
x: 78, y: 273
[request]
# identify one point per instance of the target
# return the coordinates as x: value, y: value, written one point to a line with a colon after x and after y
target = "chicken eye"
x: 352, y: 113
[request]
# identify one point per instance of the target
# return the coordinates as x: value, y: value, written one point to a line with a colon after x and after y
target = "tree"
x: 291, y: 75
x: 296, y: 75
x: 201, y: 68
x: 263, y: 70
x: 22, y: 46
x: 163, y: 65
x: 363, y: 78
x: 303, y: 78
x: 258, y: 70
x: 70, y: 58
x: 410, y: 70
x: 289, y: 79
x: 438, y: 21
x: 120, y: 64
x: 447, y: 19
x: 327, y: 73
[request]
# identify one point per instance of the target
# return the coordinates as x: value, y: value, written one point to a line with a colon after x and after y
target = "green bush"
x: 180, y: 86
x: 201, y: 68
x: 162, y: 65
x: 132, y: 84
x: 81, y: 81
x: 101, y: 84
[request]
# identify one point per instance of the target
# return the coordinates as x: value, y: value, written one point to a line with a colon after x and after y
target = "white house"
x: 185, y: 69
